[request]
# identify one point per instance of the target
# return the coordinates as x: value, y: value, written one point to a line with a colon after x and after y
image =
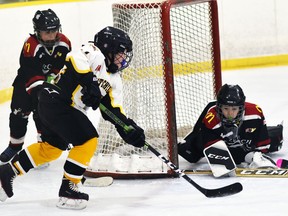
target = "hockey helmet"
x: 111, y: 41
x: 46, y: 20
x: 231, y: 95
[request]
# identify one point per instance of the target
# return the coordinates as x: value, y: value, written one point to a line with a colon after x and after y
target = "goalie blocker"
x: 219, y: 159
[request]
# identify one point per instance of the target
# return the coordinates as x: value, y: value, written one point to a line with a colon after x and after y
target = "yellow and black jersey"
x: 82, y: 68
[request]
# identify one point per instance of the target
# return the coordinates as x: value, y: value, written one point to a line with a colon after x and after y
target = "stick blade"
x: 224, y: 191
x: 98, y: 182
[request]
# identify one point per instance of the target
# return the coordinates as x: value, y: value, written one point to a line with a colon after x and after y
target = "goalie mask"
x: 231, y: 95
x: 46, y: 20
x: 112, y: 41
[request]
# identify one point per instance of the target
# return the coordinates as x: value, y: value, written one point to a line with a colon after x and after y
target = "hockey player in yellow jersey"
x: 90, y: 76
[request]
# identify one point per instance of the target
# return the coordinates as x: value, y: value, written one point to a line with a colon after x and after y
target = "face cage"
x: 228, y: 122
x: 126, y: 62
x: 113, y: 68
x: 49, y: 43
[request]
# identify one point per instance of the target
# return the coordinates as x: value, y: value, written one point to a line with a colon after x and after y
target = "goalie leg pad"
x: 276, y: 136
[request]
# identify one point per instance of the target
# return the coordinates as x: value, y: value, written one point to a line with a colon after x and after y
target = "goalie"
x: 237, y: 123
x: 90, y: 76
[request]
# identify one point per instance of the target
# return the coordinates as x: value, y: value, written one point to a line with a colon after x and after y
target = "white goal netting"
x: 174, y: 73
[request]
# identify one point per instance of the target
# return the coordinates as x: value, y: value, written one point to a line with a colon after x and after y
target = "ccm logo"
x: 218, y: 157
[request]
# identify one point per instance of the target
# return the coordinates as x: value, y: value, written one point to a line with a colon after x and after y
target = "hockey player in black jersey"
x: 90, y: 76
x: 240, y: 124
x: 42, y: 56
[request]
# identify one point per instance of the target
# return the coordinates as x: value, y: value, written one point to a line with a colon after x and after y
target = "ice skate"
x: 7, y: 176
x: 70, y: 197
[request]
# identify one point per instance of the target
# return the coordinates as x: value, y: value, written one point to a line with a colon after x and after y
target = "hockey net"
x: 174, y: 73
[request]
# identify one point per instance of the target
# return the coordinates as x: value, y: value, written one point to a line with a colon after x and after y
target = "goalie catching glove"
x: 135, y: 136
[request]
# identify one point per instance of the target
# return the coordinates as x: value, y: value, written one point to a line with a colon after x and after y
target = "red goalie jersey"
x: 251, y: 134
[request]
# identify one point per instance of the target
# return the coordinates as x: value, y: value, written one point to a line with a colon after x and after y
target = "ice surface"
x: 37, y: 192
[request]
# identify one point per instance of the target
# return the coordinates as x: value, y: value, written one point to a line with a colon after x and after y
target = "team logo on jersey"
x: 46, y: 68
x: 41, y: 55
x: 250, y: 130
x: 259, y: 109
x: 209, y: 116
x: 58, y: 54
x: 104, y: 84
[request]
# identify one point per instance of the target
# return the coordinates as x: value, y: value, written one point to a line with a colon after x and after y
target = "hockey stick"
x: 248, y: 172
x: 104, y: 181
x: 218, y: 192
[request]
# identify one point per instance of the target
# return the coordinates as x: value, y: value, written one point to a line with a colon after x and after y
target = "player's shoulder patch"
x: 31, y: 44
x: 253, y: 110
x: 210, y: 120
x: 65, y: 40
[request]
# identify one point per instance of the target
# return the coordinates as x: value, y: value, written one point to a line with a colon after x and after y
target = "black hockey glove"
x: 135, y: 136
x: 91, y: 96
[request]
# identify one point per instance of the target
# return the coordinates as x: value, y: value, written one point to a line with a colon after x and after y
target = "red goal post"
x: 174, y: 73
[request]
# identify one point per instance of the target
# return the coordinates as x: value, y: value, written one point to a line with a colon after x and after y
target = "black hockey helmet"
x: 111, y: 41
x: 46, y: 20
x: 231, y: 95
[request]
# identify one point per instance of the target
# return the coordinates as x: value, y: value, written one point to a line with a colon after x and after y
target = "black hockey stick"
x: 218, y: 192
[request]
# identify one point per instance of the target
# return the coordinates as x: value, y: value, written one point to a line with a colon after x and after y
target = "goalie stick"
x: 249, y: 172
x: 218, y: 192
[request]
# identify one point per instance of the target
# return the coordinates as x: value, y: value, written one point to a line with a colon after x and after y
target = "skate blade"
x: 76, y: 204
x: 3, y: 195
